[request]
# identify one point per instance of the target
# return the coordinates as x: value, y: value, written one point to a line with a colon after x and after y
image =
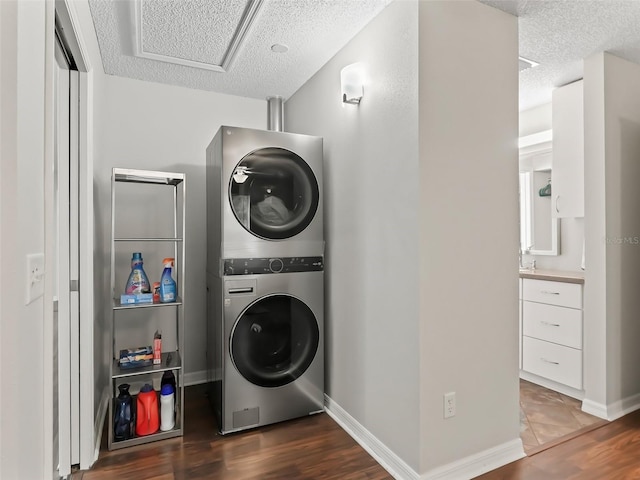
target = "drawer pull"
x: 240, y: 290
x: 547, y: 292
x: 549, y: 324
x: 549, y: 361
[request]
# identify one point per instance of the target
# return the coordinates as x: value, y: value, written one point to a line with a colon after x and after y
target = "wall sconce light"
x: 351, y: 79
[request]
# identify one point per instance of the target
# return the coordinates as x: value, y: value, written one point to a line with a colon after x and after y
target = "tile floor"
x: 547, y: 417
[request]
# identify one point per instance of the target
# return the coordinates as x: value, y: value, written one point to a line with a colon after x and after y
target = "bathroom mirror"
x: 539, y: 231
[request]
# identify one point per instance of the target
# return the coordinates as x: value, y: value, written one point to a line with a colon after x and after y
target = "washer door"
x: 273, y: 193
x: 274, y: 340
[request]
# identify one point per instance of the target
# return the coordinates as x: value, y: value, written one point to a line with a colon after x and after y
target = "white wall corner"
x: 614, y: 410
x: 478, y: 463
x: 374, y: 447
x: 99, y: 424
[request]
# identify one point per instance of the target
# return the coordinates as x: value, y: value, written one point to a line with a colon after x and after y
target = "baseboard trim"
x: 594, y: 408
x: 374, y: 447
x: 478, y: 463
x: 463, y: 469
x: 195, y: 378
x: 98, y: 426
x: 614, y: 410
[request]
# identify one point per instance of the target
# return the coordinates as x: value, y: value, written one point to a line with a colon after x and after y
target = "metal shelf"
x: 147, y: 176
x: 175, y: 236
x: 152, y: 239
x: 132, y: 442
x: 118, y: 306
x: 176, y: 364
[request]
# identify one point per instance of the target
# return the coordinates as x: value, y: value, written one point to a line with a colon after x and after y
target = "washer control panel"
x: 256, y: 266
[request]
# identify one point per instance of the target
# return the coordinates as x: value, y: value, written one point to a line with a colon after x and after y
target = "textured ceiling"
x: 197, y: 30
x: 182, y: 42
x: 559, y: 34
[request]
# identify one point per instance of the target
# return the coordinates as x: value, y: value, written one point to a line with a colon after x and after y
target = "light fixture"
x: 351, y: 80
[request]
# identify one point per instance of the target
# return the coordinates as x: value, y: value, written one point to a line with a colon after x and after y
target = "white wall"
x: 468, y: 230
x: 26, y: 419
x: 612, y: 229
x: 421, y: 289
x: 371, y: 225
x: 534, y: 120
x: 153, y: 126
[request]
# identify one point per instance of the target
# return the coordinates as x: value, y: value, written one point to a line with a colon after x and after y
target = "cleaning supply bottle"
x: 167, y: 395
x: 168, y: 378
x: 157, y: 348
x: 138, y: 281
x: 147, y: 421
x: 168, y: 291
x: 123, y: 418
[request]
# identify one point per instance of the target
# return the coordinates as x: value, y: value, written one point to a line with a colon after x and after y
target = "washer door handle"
x: 240, y: 290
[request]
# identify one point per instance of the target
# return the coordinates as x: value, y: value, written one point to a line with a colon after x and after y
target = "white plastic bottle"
x: 167, y: 420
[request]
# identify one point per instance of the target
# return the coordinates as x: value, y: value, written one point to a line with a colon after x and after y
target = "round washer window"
x: 273, y: 193
x: 274, y: 340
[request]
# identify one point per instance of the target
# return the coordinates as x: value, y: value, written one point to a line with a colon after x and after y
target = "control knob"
x: 276, y: 265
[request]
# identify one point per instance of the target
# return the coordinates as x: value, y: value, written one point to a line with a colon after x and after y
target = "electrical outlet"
x: 449, y: 404
x: 34, y: 277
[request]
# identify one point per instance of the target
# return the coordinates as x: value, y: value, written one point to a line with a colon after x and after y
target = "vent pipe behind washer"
x: 275, y: 114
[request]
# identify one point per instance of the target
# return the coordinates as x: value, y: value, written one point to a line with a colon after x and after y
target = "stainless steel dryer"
x: 264, y: 194
x: 268, y: 351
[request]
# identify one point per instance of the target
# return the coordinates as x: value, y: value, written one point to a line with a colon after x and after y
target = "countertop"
x: 552, y: 275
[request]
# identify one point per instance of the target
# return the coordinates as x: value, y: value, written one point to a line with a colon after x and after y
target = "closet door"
x: 66, y: 264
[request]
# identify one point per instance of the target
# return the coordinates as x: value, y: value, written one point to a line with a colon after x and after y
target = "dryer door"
x: 273, y: 193
x: 274, y: 340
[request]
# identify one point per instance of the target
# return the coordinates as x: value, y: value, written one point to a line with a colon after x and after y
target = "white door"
x: 66, y: 327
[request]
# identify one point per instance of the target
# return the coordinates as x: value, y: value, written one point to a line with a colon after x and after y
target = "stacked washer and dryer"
x: 265, y: 246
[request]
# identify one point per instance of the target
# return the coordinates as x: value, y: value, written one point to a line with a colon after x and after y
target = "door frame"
x: 65, y: 385
x: 68, y: 18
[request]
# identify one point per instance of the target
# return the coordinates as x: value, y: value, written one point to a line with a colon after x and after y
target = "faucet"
x: 532, y: 266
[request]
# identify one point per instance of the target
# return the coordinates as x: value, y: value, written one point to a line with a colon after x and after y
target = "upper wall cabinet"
x: 568, y: 151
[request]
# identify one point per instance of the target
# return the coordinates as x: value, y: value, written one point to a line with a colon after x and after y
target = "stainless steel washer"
x: 268, y: 351
x: 264, y: 194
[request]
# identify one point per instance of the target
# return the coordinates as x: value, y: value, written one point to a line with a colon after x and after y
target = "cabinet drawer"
x: 555, y: 362
x: 553, y: 293
x: 555, y: 324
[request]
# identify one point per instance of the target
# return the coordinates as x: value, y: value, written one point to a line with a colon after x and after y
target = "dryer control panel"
x: 255, y: 266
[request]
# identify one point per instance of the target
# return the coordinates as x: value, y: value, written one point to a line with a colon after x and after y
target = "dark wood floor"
x: 609, y: 452
x: 308, y: 448
x: 317, y: 448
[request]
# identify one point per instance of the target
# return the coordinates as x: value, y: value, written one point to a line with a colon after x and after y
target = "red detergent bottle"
x: 147, y: 416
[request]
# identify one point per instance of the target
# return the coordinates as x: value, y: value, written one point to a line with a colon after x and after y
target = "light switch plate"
x: 34, y: 277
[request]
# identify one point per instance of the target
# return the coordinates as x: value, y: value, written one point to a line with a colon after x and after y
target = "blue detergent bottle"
x: 138, y: 281
x: 123, y: 421
x: 168, y: 291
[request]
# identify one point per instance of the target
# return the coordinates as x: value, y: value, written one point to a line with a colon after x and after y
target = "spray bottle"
x: 168, y: 291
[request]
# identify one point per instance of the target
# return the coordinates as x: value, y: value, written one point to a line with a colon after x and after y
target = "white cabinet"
x: 552, y: 331
x: 568, y: 151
